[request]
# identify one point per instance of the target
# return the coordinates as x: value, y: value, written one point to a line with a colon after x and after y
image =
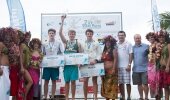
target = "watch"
x: 96, y: 60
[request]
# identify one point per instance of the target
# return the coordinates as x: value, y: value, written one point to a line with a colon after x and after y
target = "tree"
x: 165, y: 20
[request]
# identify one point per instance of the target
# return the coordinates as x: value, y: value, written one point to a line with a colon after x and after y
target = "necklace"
x: 89, y: 45
x: 71, y: 45
x: 51, y: 44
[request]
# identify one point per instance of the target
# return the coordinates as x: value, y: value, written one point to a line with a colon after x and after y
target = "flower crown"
x: 33, y: 41
x: 162, y: 33
x: 27, y: 33
x: 8, y: 34
x: 152, y: 34
x: 110, y: 39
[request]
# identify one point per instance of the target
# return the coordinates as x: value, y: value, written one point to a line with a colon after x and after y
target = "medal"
x: 51, y: 46
x: 71, y: 45
x: 70, y: 49
x: 89, y: 45
x: 50, y: 49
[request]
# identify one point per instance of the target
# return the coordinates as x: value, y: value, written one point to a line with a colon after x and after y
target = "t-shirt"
x: 124, y: 49
x: 140, y: 57
x: 53, y: 48
x: 93, y: 49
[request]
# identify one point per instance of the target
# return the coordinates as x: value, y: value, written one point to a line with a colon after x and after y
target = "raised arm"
x: 63, y: 39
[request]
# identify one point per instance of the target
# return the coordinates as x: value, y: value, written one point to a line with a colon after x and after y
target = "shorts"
x: 14, y: 78
x: 124, y: 77
x: 50, y: 73
x: 140, y: 78
x: 70, y: 73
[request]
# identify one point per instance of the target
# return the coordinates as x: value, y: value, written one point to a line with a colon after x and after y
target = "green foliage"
x: 165, y: 20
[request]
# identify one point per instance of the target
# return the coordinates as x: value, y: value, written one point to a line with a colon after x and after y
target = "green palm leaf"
x: 165, y: 20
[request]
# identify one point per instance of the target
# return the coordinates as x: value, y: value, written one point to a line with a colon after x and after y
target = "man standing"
x: 94, y: 51
x: 52, y: 47
x: 124, y: 64
x: 70, y: 71
x: 140, y: 61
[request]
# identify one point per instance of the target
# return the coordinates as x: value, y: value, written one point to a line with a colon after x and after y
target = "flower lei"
x: 152, y: 49
x: 159, y: 48
x: 37, y: 63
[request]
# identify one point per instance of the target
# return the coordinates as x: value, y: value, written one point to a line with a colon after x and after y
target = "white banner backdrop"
x: 102, y: 24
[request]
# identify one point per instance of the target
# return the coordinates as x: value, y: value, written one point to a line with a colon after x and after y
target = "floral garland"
x: 109, y: 38
x: 10, y: 38
x: 37, y: 63
x: 32, y: 42
x: 151, y: 55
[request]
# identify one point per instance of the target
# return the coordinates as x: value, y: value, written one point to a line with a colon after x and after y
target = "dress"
x: 109, y: 87
x: 163, y: 61
x: 17, y: 88
x: 35, y: 75
x: 153, y: 73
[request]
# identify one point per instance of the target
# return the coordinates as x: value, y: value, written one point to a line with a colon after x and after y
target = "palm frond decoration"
x: 165, y: 20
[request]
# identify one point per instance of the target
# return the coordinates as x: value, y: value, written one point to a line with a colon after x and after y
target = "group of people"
x: 20, y: 61
x: 158, y: 64
x: 151, y: 65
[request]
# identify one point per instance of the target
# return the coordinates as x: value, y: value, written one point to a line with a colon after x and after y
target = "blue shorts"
x: 52, y: 73
x: 70, y: 73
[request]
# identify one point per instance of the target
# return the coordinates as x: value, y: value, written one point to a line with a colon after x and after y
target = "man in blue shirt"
x: 140, y: 61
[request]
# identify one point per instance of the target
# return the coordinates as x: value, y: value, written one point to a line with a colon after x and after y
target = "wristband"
x: 96, y: 60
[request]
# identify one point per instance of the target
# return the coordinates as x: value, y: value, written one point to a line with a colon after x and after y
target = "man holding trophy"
x: 70, y: 71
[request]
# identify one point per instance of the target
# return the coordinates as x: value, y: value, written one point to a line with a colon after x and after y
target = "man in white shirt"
x: 52, y: 47
x: 94, y: 51
x: 124, y: 64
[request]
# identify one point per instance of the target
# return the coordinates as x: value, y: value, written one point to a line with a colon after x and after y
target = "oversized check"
x: 53, y: 61
x: 76, y: 58
x: 92, y: 70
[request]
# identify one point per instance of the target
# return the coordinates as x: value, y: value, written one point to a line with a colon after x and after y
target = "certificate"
x: 76, y: 58
x: 92, y: 70
x: 53, y: 61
